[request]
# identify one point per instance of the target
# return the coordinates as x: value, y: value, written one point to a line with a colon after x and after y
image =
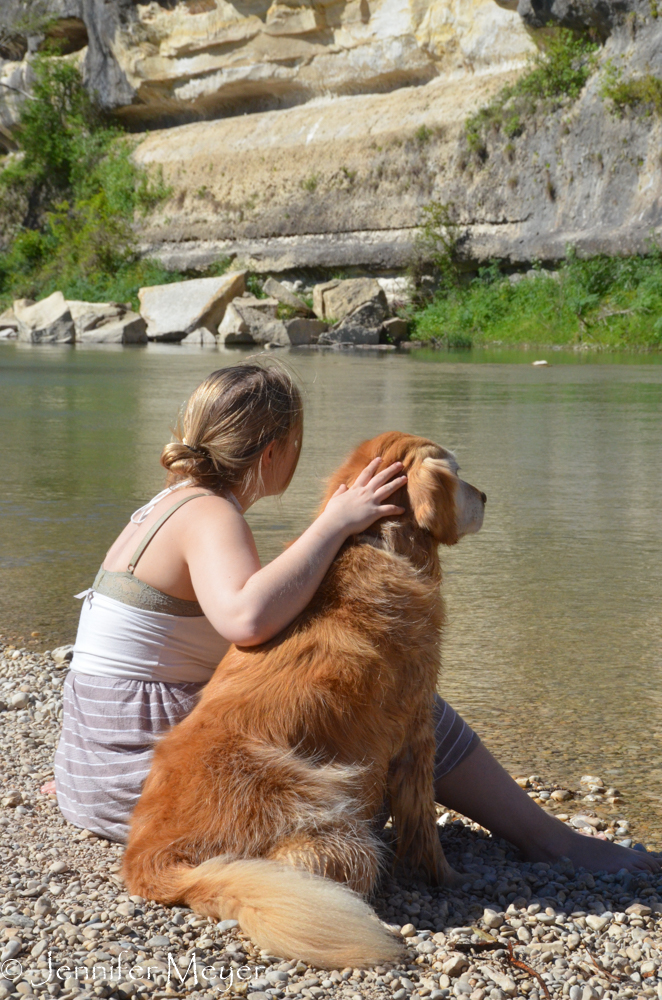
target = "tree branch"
x: 17, y: 90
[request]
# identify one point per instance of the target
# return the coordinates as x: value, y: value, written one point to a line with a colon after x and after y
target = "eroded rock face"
x: 210, y: 57
x: 358, y: 112
x: 165, y: 63
x: 341, y: 182
x: 600, y: 15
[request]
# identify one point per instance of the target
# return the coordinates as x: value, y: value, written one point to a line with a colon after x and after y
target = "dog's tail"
x: 287, y: 911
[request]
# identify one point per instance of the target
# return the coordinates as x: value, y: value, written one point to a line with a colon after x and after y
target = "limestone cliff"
x: 316, y: 131
x: 180, y: 60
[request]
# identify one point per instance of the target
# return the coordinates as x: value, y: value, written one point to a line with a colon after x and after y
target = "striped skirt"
x: 105, y: 749
x: 108, y: 735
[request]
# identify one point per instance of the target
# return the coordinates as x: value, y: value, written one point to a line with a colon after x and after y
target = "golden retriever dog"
x: 261, y: 804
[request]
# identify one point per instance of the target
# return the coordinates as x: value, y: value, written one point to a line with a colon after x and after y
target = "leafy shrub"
x: 641, y: 93
x: 423, y: 134
x: 560, y: 71
x: 310, y: 183
x: 75, y: 192
x: 436, y: 243
x: 600, y: 301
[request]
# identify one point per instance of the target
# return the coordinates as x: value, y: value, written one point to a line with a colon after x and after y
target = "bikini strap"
x: 150, y: 534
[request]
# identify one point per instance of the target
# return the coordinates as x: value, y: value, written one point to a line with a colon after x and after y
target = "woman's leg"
x: 478, y: 787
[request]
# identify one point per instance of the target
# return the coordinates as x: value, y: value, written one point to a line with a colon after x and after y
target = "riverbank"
x: 598, y: 303
x: 62, y: 904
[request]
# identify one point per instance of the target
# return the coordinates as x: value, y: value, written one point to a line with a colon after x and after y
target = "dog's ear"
x: 432, y: 491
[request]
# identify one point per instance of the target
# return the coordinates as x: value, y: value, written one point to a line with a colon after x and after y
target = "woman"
x: 183, y: 581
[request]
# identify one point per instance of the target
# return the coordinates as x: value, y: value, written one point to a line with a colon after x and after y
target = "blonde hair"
x: 227, y: 423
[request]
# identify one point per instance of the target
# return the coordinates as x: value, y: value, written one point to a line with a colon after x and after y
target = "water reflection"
x: 553, y: 645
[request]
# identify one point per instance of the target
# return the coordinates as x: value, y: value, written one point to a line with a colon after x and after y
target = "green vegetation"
x: 69, y: 198
x: 641, y: 93
x: 559, y: 72
x: 436, y: 244
x: 310, y: 183
x: 254, y: 286
x: 423, y: 134
x: 612, y: 302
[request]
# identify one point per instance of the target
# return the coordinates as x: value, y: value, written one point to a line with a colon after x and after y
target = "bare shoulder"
x: 208, y: 519
x: 209, y: 511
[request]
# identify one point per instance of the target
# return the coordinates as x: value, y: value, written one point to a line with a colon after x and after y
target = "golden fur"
x: 260, y: 805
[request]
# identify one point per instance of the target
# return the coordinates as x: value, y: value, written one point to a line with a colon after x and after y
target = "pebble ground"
x: 69, y: 929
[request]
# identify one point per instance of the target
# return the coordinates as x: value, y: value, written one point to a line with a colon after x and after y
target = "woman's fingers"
x: 364, y: 477
x: 341, y: 489
x: 385, y: 474
x: 389, y: 488
x: 389, y: 508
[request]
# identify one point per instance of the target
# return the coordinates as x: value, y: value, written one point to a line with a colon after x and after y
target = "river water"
x: 553, y: 648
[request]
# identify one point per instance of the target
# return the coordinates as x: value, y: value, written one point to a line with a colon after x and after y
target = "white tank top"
x: 128, y: 638
x: 117, y: 640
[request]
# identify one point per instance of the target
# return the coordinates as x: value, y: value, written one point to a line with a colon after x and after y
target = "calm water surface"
x: 553, y: 647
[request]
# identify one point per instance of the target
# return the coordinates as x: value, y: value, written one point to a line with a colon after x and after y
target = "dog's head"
x: 435, y: 499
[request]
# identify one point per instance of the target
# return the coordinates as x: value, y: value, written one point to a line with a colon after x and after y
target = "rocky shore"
x: 69, y: 929
x: 203, y: 312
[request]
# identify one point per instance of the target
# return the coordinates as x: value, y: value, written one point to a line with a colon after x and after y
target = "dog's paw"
x: 452, y: 879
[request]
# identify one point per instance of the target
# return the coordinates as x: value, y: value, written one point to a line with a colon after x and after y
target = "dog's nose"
x: 483, y: 497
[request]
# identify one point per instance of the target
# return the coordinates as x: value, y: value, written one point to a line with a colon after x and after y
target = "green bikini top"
x: 122, y: 585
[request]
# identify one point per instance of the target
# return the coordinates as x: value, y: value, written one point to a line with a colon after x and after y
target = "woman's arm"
x: 248, y: 604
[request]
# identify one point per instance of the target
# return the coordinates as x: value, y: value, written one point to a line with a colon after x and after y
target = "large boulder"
x: 362, y: 326
x: 107, y: 323
x: 267, y: 307
x: 342, y: 298
x: 46, y: 322
x: 319, y: 292
x: 172, y: 311
x: 127, y: 329
x: 278, y: 291
x: 89, y: 315
x: 303, y: 331
x: 394, y: 330
x: 244, y: 324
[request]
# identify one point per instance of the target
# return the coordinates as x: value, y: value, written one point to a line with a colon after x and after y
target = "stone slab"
x: 46, y: 322
x: 128, y: 329
x: 173, y: 311
x: 304, y: 330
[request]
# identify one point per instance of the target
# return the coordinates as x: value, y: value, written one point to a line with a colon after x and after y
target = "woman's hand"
x: 353, y: 509
x: 249, y: 605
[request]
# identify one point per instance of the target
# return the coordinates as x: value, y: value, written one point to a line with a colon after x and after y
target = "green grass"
x: 609, y: 302
x: 642, y: 94
x: 560, y: 71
